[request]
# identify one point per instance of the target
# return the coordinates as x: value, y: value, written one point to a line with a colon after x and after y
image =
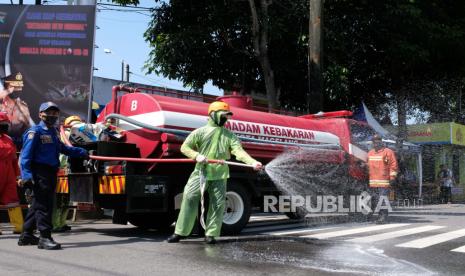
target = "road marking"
x: 291, y: 232
x: 272, y: 227
x: 459, y: 249
x: 355, y: 231
x: 432, y: 240
x: 395, y: 234
x: 267, y: 218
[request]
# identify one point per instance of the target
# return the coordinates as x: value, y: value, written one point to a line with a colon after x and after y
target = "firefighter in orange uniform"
x: 9, y: 173
x: 382, y: 167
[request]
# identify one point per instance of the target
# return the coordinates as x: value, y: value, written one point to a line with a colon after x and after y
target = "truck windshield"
x: 361, y: 134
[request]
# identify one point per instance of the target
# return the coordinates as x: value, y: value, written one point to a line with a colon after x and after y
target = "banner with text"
x: 47, y: 52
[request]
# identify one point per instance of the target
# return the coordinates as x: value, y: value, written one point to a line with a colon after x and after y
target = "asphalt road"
x: 426, y: 241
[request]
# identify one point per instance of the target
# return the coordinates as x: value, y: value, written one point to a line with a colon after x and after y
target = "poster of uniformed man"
x: 15, y: 108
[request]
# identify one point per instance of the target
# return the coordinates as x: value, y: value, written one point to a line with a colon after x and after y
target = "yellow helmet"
x: 71, y: 119
x: 218, y: 105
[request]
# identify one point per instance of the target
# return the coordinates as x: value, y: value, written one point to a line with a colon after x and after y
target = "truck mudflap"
x: 83, y: 187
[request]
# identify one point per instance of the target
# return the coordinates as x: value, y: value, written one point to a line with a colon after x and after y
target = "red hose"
x: 149, y: 160
x: 64, y: 138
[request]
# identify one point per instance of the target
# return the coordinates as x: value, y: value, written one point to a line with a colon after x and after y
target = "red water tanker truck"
x: 148, y: 193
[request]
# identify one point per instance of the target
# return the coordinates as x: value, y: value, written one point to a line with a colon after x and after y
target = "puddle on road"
x: 316, y: 255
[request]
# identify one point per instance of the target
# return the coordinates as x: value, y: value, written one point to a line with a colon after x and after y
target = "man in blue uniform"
x: 39, y: 163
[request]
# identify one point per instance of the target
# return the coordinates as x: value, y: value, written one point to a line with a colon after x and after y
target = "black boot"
x: 28, y: 239
x: 210, y: 240
x: 174, y: 238
x: 48, y: 243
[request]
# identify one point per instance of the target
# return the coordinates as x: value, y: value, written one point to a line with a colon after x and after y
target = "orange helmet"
x: 218, y: 105
x: 71, y: 119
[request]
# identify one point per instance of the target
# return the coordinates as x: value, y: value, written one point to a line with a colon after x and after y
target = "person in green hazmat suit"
x: 212, y: 141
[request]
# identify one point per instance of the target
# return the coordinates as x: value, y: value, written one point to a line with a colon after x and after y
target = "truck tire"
x: 144, y: 221
x: 237, y: 210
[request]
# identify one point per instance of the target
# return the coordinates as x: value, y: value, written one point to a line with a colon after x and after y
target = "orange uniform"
x: 9, y: 172
x: 382, y: 166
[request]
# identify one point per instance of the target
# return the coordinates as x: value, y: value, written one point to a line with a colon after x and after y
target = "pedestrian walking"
x: 446, y: 180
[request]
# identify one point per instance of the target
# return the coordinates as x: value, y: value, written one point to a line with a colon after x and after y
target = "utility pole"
x: 127, y: 72
x: 315, y: 45
x: 122, y: 70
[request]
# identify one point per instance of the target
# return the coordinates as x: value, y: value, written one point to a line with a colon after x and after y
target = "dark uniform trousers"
x: 40, y: 212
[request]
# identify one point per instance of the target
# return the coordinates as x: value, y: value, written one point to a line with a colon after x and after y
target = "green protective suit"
x: 214, y: 142
x: 61, y: 203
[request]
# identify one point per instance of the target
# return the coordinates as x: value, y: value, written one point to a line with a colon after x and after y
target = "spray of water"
x: 297, y: 173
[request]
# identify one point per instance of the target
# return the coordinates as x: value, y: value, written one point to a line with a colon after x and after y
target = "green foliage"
x: 372, y: 49
x: 393, y: 44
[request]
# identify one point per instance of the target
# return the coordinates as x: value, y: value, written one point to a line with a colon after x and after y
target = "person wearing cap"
x: 212, y: 141
x: 382, y: 169
x: 10, y: 172
x: 39, y: 161
x: 16, y: 109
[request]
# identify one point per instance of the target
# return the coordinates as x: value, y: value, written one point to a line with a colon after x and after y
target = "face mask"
x: 3, y: 128
x: 219, y: 117
x: 50, y: 120
x: 14, y: 95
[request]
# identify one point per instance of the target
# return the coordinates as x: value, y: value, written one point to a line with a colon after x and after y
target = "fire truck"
x: 148, y: 194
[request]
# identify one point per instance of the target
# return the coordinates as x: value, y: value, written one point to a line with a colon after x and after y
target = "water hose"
x: 64, y: 137
x: 203, y: 178
x: 247, y: 139
x: 165, y: 160
x: 202, y: 184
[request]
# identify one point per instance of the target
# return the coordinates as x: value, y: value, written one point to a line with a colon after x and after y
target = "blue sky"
x: 122, y: 33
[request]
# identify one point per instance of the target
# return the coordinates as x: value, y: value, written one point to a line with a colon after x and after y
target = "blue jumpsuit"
x: 39, y: 161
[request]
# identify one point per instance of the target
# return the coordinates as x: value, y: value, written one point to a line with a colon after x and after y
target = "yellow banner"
x: 437, y: 133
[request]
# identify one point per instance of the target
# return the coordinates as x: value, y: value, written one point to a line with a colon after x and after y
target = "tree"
x: 381, y: 52
x: 239, y: 45
x: 384, y: 49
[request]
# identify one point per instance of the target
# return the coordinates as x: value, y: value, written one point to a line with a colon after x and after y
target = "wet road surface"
x: 428, y: 241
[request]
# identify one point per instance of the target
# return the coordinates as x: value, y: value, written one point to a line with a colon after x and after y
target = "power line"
x: 157, y: 81
x: 128, y: 7
x: 142, y: 12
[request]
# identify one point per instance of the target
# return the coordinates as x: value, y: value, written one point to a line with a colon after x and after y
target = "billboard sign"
x: 48, y: 50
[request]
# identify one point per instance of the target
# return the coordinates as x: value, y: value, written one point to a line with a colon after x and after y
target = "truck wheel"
x: 237, y: 209
x: 151, y: 221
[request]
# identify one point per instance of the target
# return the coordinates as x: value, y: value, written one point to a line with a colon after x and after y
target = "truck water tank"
x: 237, y: 100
